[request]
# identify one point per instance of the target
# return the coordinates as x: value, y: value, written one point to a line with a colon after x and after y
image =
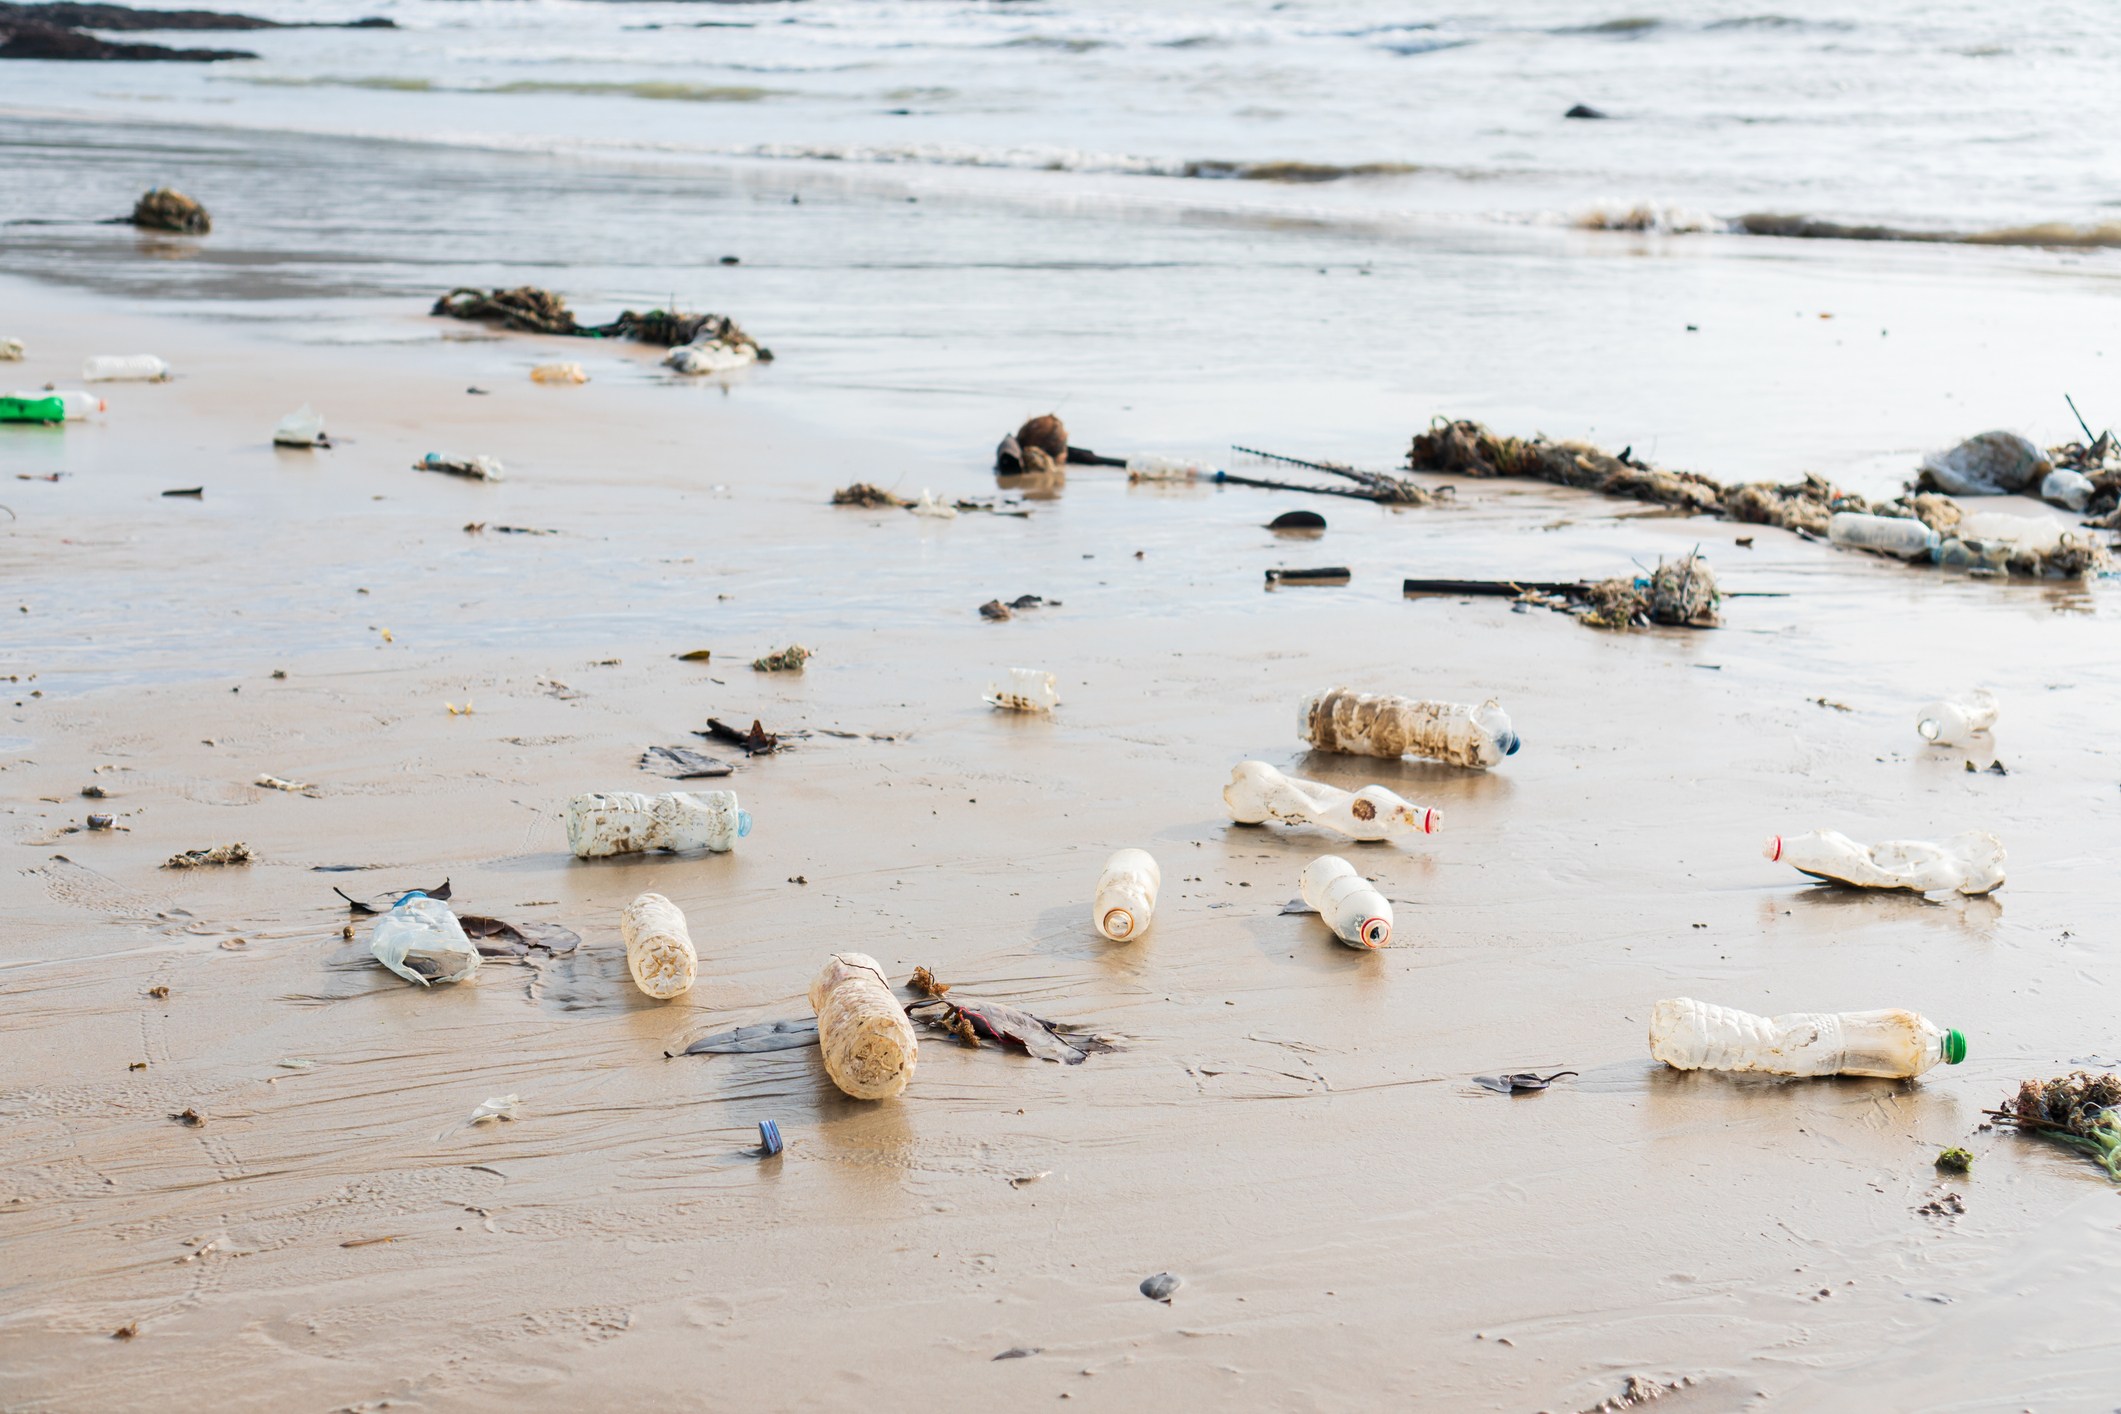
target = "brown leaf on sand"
x: 495, y: 937
x: 126, y: 1331
x: 924, y: 982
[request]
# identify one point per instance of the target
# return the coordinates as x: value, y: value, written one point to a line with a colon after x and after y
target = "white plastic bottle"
x: 1952, y: 720
x: 422, y: 942
x: 1690, y: 1035
x: 1258, y: 792
x: 627, y: 822
x: 658, y: 947
x: 79, y: 403
x: 1126, y: 895
x: 1377, y: 724
x: 1971, y: 863
x: 1359, y: 916
x: 2026, y: 533
x: 1153, y: 468
x: 1891, y: 535
x: 119, y: 368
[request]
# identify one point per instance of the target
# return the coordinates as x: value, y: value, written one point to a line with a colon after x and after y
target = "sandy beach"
x: 1289, y: 1125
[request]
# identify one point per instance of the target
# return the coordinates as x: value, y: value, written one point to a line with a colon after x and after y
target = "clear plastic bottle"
x: 558, y: 373
x: 1359, y: 916
x: 869, y: 1045
x: 1970, y: 863
x: 658, y: 947
x: 1951, y: 720
x: 422, y: 942
x: 1376, y: 724
x: 75, y: 403
x: 1126, y: 895
x: 627, y: 822
x: 1258, y: 792
x: 120, y: 368
x: 1892, y: 535
x: 2022, y: 532
x: 1029, y: 690
x: 1690, y: 1035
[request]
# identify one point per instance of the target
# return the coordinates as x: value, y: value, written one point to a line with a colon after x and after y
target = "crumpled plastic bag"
x: 1990, y: 464
x: 422, y: 942
x: 711, y: 356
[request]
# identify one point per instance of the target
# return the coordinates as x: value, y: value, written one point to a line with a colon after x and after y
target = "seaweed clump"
x: 1466, y: 448
x: 1680, y: 593
x: 530, y: 310
x: 2076, y: 1109
x: 862, y: 494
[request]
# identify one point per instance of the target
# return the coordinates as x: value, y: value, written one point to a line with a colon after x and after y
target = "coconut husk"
x: 165, y: 210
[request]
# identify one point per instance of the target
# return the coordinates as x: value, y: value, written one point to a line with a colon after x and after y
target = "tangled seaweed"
x: 2077, y: 1110
x: 788, y: 660
x: 1681, y: 594
x: 1466, y: 448
x: 530, y: 310
x: 862, y: 494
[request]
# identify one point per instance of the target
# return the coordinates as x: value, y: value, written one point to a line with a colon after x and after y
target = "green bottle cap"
x: 1954, y: 1047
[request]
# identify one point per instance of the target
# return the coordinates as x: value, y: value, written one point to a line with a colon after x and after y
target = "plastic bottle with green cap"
x: 1690, y: 1035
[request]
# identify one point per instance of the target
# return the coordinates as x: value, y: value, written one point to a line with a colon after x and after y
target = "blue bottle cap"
x: 743, y: 823
x: 769, y: 1138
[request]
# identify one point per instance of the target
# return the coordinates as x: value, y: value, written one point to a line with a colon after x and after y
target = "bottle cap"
x: 743, y: 823
x: 1954, y: 1047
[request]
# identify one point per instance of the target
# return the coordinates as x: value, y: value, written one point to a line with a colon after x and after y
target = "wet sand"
x: 1290, y: 1125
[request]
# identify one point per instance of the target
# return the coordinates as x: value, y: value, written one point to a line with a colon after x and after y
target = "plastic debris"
x: 788, y: 660
x: 497, y: 1107
x: 559, y: 373
x: 1124, y: 901
x: 122, y: 368
x: 1989, y: 464
x: 869, y: 1046
x: 1366, y: 724
x: 1951, y: 720
x: 769, y: 1138
x: 303, y: 427
x: 1328, y: 575
x: 659, y: 949
x: 275, y: 783
x: 13, y: 350
x: 1359, y: 916
x: 219, y: 854
x: 628, y: 822
x: 1029, y: 690
x: 1258, y: 792
x: 1690, y: 1035
x: 477, y: 468
x: 1970, y: 863
x: 708, y: 354
x: 421, y: 941
x: 930, y: 505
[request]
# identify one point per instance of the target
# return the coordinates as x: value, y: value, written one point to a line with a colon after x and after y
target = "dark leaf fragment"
x: 1521, y: 1080
x: 385, y: 902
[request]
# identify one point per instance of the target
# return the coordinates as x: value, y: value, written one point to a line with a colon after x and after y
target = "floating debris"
x: 787, y: 660
x: 868, y: 497
x: 531, y: 310
x: 2078, y: 1110
x: 219, y: 854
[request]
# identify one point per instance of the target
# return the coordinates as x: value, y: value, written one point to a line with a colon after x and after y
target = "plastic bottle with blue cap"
x: 1897, y: 1045
x: 628, y: 822
x: 1379, y: 724
x: 421, y: 941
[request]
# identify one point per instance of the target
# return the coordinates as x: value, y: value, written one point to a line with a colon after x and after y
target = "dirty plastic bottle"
x: 1961, y: 553
x: 1126, y: 894
x: 1690, y: 1035
x: 1359, y: 916
x: 558, y: 373
x: 1377, y: 724
x: 1258, y: 791
x: 421, y: 941
x: 1029, y: 690
x: 116, y: 368
x: 1891, y: 535
x: 1952, y: 720
x: 869, y: 1045
x: 1154, y: 468
x: 659, y: 950
x: 2066, y: 487
x: 627, y: 822
x: 1970, y: 863
x: 74, y: 403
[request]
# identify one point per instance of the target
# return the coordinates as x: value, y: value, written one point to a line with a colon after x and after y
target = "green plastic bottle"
x: 51, y: 409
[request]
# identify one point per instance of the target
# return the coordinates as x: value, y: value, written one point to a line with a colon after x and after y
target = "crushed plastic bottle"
x: 2067, y: 488
x: 1029, y: 690
x: 2033, y: 533
x: 1690, y: 1035
x: 421, y: 941
x: 1359, y: 916
x: 933, y: 507
x: 75, y: 404
x: 477, y: 468
x: 1891, y: 535
x: 711, y: 356
x: 628, y: 822
x: 559, y: 373
x: 1376, y: 724
x: 122, y: 368
x: 1257, y: 792
x: 1961, y: 553
x: 869, y: 1045
x: 13, y: 350
x: 1126, y: 895
x: 1154, y: 468
x: 659, y: 949
x: 300, y: 428
x: 1951, y: 720
x: 1970, y: 863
